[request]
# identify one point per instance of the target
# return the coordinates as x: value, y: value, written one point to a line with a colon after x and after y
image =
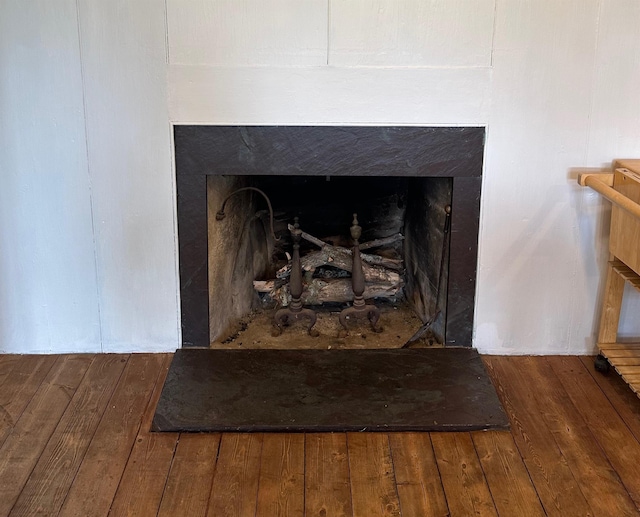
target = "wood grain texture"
x: 597, y: 479
x: 97, y: 479
x: 621, y: 350
x: 614, y: 437
x: 427, y: 33
x: 19, y: 386
x: 123, y: 50
x: 548, y: 468
x: 244, y: 33
x: 624, y: 401
x: 624, y: 239
x: 7, y: 362
x: 142, y: 483
x: 160, y: 478
x: 28, y: 438
x: 145, y: 474
x: 327, y: 486
x: 511, y: 488
x: 611, y: 305
x: 235, y: 485
x: 462, y: 478
x: 53, y: 475
x: 281, y: 483
x: 373, y: 486
x: 417, y: 477
x: 191, y: 475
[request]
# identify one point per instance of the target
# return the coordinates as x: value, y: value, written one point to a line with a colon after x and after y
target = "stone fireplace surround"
x: 437, y: 152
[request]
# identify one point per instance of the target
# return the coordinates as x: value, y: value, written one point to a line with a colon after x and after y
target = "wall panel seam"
x: 91, y: 207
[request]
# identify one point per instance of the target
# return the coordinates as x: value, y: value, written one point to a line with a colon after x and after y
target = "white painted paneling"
x: 328, y: 95
x: 245, y: 32
x: 124, y: 64
x: 48, y: 295
x: 615, y: 119
x: 562, y: 94
x: 532, y: 293
x: 411, y: 33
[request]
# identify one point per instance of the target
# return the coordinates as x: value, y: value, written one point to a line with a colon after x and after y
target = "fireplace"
x: 398, y: 179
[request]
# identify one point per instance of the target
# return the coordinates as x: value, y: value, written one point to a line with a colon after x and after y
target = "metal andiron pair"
x: 296, y: 311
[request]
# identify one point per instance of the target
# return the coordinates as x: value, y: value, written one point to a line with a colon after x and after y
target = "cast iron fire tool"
x: 295, y: 310
x: 359, y: 307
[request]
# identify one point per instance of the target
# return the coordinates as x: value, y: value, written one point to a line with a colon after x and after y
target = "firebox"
x: 417, y: 189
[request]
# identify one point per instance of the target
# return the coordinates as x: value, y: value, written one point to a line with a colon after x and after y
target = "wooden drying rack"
x: 622, y: 188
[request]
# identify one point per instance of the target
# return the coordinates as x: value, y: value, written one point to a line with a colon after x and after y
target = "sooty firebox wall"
x: 242, y: 251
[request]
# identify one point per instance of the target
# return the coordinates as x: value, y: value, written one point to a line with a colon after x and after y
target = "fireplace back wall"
x: 424, y: 152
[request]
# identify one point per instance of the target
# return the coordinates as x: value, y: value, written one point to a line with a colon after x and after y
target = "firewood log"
x: 320, y: 291
x: 331, y: 250
x: 341, y: 258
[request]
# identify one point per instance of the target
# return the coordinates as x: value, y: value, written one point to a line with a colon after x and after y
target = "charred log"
x: 334, y: 290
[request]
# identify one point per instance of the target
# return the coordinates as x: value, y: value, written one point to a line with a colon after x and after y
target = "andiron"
x: 295, y: 310
x: 359, y: 307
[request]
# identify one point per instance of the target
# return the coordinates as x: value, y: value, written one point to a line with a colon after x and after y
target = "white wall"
x: 48, y: 286
x: 89, y: 89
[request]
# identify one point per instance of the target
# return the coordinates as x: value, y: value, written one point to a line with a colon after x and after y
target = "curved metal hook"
x: 220, y: 215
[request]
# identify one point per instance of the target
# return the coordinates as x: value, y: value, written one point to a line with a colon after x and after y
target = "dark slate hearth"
x: 328, y: 390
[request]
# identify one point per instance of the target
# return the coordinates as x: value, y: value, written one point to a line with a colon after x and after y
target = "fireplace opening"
x: 397, y: 179
x: 403, y: 221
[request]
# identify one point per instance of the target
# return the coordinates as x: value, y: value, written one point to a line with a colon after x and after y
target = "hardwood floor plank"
x: 97, y: 480
x: 80, y: 445
x: 417, y: 477
x: 7, y: 362
x: 140, y: 489
x: 462, y: 477
x: 511, y: 488
x: 373, y: 485
x: 614, y: 437
x: 281, y: 483
x: 548, y: 468
x: 52, y: 476
x: 625, y: 401
x: 234, y: 492
x: 327, y: 485
x: 19, y: 386
x: 191, y: 476
x: 599, y: 482
x: 24, y: 445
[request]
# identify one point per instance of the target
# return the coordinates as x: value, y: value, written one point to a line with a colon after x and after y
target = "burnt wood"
x: 328, y: 390
x: 327, y: 151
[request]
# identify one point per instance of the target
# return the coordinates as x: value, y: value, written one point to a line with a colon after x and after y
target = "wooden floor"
x: 74, y: 440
